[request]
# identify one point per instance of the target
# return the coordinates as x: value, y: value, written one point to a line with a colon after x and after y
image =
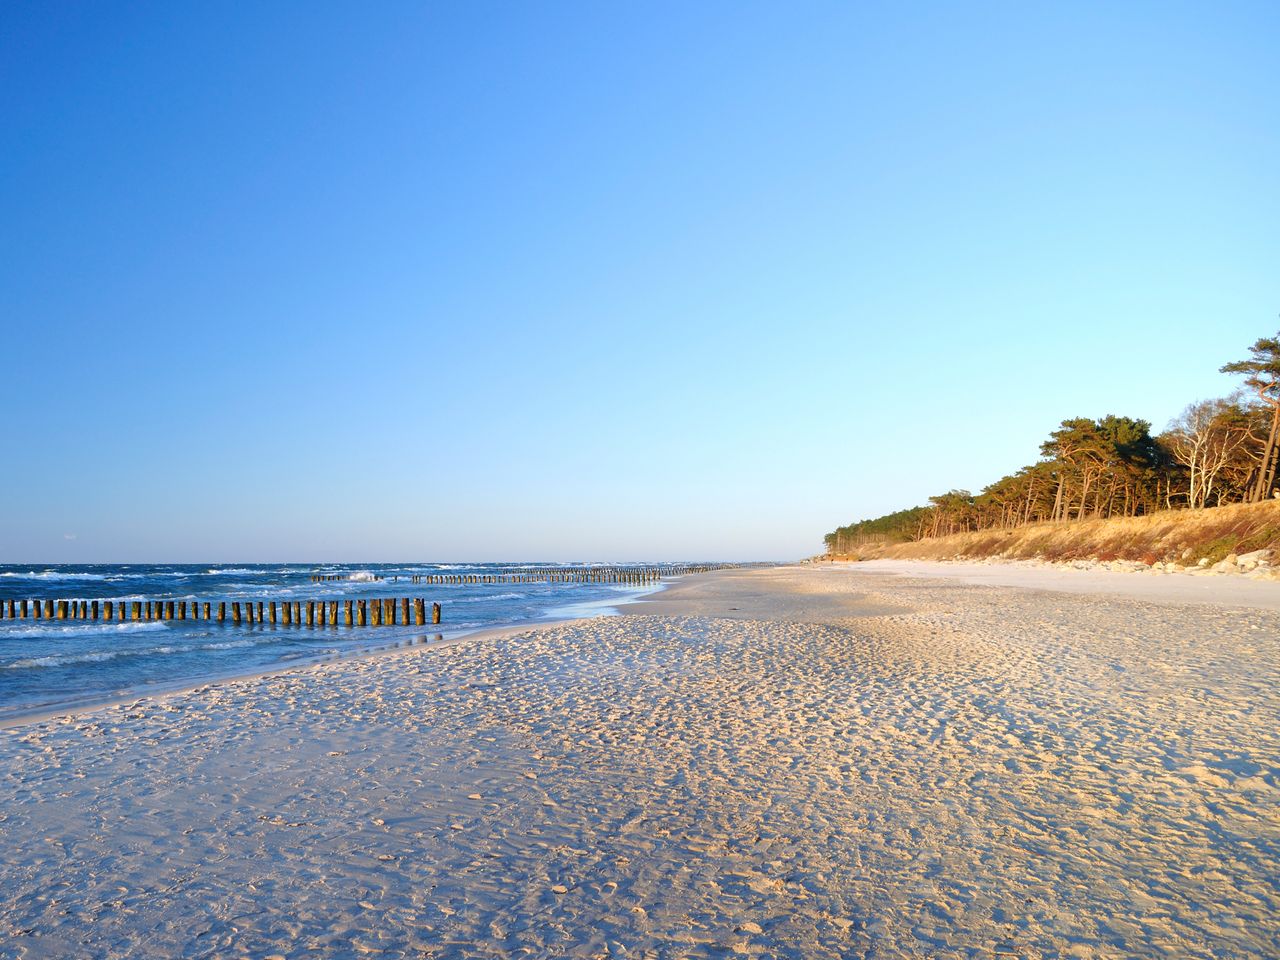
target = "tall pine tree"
x: 1262, y: 373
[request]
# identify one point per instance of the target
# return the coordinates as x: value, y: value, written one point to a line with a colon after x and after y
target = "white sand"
x: 847, y: 764
x: 1226, y: 589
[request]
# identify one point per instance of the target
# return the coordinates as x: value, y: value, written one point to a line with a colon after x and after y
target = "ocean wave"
x: 61, y: 575
x: 189, y: 647
x: 363, y: 576
x: 277, y: 591
x: 71, y: 631
x: 151, y: 575
x: 496, y: 596
x: 99, y: 656
x: 162, y: 595
x: 59, y: 660
x: 54, y: 575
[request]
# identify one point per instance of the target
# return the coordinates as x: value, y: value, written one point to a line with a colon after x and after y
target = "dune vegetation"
x: 1183, y: 537
x: 1110, y: 488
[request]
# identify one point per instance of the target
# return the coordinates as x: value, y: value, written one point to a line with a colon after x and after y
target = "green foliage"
x: 1215, y: 550
x: 1266, y: 537
x: 1112, y: 466
x: 1262, y: 370
x: 892, y: 528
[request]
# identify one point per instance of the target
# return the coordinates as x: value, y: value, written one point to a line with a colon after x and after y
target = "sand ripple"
x: 994, y: 772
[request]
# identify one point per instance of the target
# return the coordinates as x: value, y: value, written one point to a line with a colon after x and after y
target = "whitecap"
x: 229, y: 644
x: 36, y: 630
x: 99, y: 656
x: 496, y: 596
x: 53, y: 575
x: 56, y: 660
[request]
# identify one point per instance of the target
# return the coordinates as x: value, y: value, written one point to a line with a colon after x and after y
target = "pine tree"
x: 1262, y: 374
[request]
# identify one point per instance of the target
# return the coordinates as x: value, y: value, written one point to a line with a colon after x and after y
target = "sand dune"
x: 802, y: 763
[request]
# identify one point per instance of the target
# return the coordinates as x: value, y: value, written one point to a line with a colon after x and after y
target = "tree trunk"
x: 1271, y: 474
x: 1085, y: 483
x: 1267, y: 466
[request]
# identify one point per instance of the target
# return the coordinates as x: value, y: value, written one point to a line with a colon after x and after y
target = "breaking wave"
x: 53, y: 575
x: 71, y: 631
x: 99, y: 656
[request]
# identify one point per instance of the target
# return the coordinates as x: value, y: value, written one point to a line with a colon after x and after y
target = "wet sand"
x: 789, y: 762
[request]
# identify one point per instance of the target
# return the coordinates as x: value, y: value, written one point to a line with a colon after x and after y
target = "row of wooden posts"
x: 633, y: 575
x: 590, y: 575
x: 289, y: 613
x: 352, y: 613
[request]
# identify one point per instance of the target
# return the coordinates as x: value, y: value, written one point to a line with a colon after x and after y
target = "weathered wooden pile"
x: 639, y: 576
x: 387, y: 611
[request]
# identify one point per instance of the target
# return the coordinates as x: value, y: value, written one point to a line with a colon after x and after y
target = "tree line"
x: 1215, y: 452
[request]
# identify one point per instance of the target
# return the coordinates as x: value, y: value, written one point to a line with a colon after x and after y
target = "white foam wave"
x: 151, y: 575
x: 53, y: 575
x: 36, y: 630
x: 227, y: 645
x: 496, y: 596
x: 158, y: 595
x: 99, y: 656
x: 54, y: 660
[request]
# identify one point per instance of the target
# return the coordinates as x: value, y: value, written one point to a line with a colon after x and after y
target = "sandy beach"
x: 875, y: 760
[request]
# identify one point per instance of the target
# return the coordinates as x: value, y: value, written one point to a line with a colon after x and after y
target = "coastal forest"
x: 1216, y: 452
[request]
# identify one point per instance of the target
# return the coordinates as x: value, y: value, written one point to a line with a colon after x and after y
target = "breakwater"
x: 639, y: 576
x: 386, y: 611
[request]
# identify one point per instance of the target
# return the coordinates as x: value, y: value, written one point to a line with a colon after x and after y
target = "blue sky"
x: 602, y: 281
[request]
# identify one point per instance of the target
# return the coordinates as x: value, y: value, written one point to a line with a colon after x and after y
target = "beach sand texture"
x: 791, y: 762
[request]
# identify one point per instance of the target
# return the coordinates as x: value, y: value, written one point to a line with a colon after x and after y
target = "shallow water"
x: 48, y: 664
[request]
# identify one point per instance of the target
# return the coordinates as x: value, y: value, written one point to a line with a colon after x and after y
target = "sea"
x: 50, y: 665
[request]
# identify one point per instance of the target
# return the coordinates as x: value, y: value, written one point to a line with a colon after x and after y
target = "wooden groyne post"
x: 387, y: 611
x: 326, y: 613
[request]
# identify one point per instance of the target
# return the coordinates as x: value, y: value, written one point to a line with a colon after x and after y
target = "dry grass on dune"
x: 1185, y: 536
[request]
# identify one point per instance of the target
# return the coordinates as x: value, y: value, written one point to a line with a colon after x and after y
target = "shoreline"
x: 392, y: 647
x: 1165, y: 587
x: 792, y: 761
x: 300, y: 665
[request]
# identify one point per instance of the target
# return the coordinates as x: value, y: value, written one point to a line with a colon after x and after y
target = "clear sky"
x: 602, y: 281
